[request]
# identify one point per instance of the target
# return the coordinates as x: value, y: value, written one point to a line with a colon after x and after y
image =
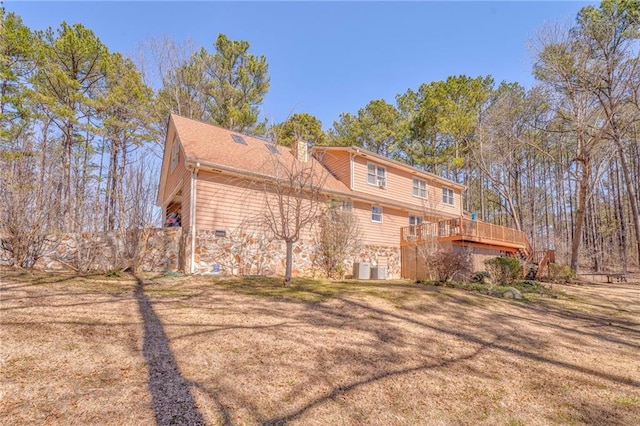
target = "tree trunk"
x: 67, y: 226
x: 288, y: 264
x: 580, y: 213
x: 635, y: 212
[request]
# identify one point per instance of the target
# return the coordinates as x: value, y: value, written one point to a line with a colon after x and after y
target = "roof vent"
x: 238, y: 139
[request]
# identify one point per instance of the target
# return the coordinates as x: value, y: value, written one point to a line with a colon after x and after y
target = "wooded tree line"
x: 82, y: 129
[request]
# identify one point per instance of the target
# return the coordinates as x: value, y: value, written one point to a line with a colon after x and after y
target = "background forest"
x: 82, y: 130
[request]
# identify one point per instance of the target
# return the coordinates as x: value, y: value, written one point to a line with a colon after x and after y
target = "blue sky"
x: 326, y: 58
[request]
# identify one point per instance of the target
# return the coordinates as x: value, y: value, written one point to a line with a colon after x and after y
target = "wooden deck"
x: 465, y: 230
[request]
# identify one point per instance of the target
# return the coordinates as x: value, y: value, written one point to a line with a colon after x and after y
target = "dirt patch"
x: 200, y: 350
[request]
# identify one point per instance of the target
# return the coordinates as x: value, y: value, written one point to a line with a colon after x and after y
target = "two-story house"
x: 210, y: 185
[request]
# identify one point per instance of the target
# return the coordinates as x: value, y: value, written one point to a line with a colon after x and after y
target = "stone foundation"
x: 250, y: 254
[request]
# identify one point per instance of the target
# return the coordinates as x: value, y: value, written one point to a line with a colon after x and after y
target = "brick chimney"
x: 300, y: 151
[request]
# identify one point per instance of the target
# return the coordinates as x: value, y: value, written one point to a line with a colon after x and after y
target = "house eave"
x: 192, y: 163
x: 388, y: 161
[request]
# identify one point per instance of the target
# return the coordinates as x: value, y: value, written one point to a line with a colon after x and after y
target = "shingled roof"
x: 213, y: 146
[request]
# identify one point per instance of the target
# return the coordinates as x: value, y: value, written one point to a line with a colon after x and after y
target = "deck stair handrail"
x: 543, y: 259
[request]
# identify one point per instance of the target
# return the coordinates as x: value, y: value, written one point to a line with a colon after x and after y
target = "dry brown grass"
x: 199, y: 350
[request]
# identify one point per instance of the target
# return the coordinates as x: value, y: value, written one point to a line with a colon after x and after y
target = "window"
x: 413, y: 221
x: 376, y: 175
x: 376, y: 214
x: 238, y: 139
x: 419, y: 188
x: 272, y: 148
x: 175, y: 155
x: 447, y: 196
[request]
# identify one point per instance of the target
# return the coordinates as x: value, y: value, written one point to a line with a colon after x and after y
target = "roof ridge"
x: 214, y: 125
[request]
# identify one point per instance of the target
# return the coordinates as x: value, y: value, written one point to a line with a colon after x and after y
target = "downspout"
x: 192, y: 216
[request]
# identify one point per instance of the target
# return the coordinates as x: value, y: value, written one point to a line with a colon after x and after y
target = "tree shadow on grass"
x: 172, y: 402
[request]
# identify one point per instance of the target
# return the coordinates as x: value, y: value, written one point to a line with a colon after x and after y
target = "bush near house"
x: 561, y: 273
x: 504, y: 270
x: 446, y: 265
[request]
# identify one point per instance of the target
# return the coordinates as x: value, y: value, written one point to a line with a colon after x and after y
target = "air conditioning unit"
x: 361, y: 271
x: 381, y: 183
x: 378, y: 273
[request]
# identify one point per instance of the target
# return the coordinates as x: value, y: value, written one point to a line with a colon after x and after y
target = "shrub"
x: 481, y: 277
x: 445, y: 265
x: 338, y: 235
x: 504, y: 270
x: 559, y: 272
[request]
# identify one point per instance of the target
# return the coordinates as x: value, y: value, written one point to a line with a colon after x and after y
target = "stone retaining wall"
x: 154, y: 249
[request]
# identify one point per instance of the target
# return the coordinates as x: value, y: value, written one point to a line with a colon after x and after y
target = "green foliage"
x: 223, y: 88
x: 302, y: 126
x: 559, y: 272
x: 236, y: 85
x: 114, y: 273
x: 504, y: 270
x: 525, y: 287
x: 376, y: 127
x: 443, y: 118
x: 481, y: 277
x: 16, y: 64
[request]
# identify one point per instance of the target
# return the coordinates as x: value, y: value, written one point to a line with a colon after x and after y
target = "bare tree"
x: 24, y: 210
x: 560, y: 61
x: 338, y: 235
x: 293, y: 199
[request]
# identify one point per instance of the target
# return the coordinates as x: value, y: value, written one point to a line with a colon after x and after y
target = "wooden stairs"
x: 535, y: 262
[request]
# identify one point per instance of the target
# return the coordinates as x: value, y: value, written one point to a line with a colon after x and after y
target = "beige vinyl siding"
x: 399, y: 187
x: 225, y: 202
x: 338, y: 164
x: 386, y: 233
x: 174, y: 177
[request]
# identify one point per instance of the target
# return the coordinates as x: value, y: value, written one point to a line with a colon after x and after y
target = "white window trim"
x: 448, y: 198
x: 418, y: 218
x: 413, y: 187
x: 381, y: 182
x: 381, y: 214
x: 414, y: 226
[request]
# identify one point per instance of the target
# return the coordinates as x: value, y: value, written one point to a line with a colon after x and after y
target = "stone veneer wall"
x: 251, y: 254
x: 105, y: 251
x: 168, y: 249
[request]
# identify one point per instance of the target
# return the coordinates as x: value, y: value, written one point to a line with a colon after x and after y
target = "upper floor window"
x: 376, y: 214
x: 447, y: 196
x: 419, y: 188
x: 376, y: 175
x: 175, y: 155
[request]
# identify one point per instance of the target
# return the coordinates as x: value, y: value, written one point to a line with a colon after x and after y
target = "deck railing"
x: 463, y: 228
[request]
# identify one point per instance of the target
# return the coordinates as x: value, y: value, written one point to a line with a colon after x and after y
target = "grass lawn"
x: 200, y: 350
